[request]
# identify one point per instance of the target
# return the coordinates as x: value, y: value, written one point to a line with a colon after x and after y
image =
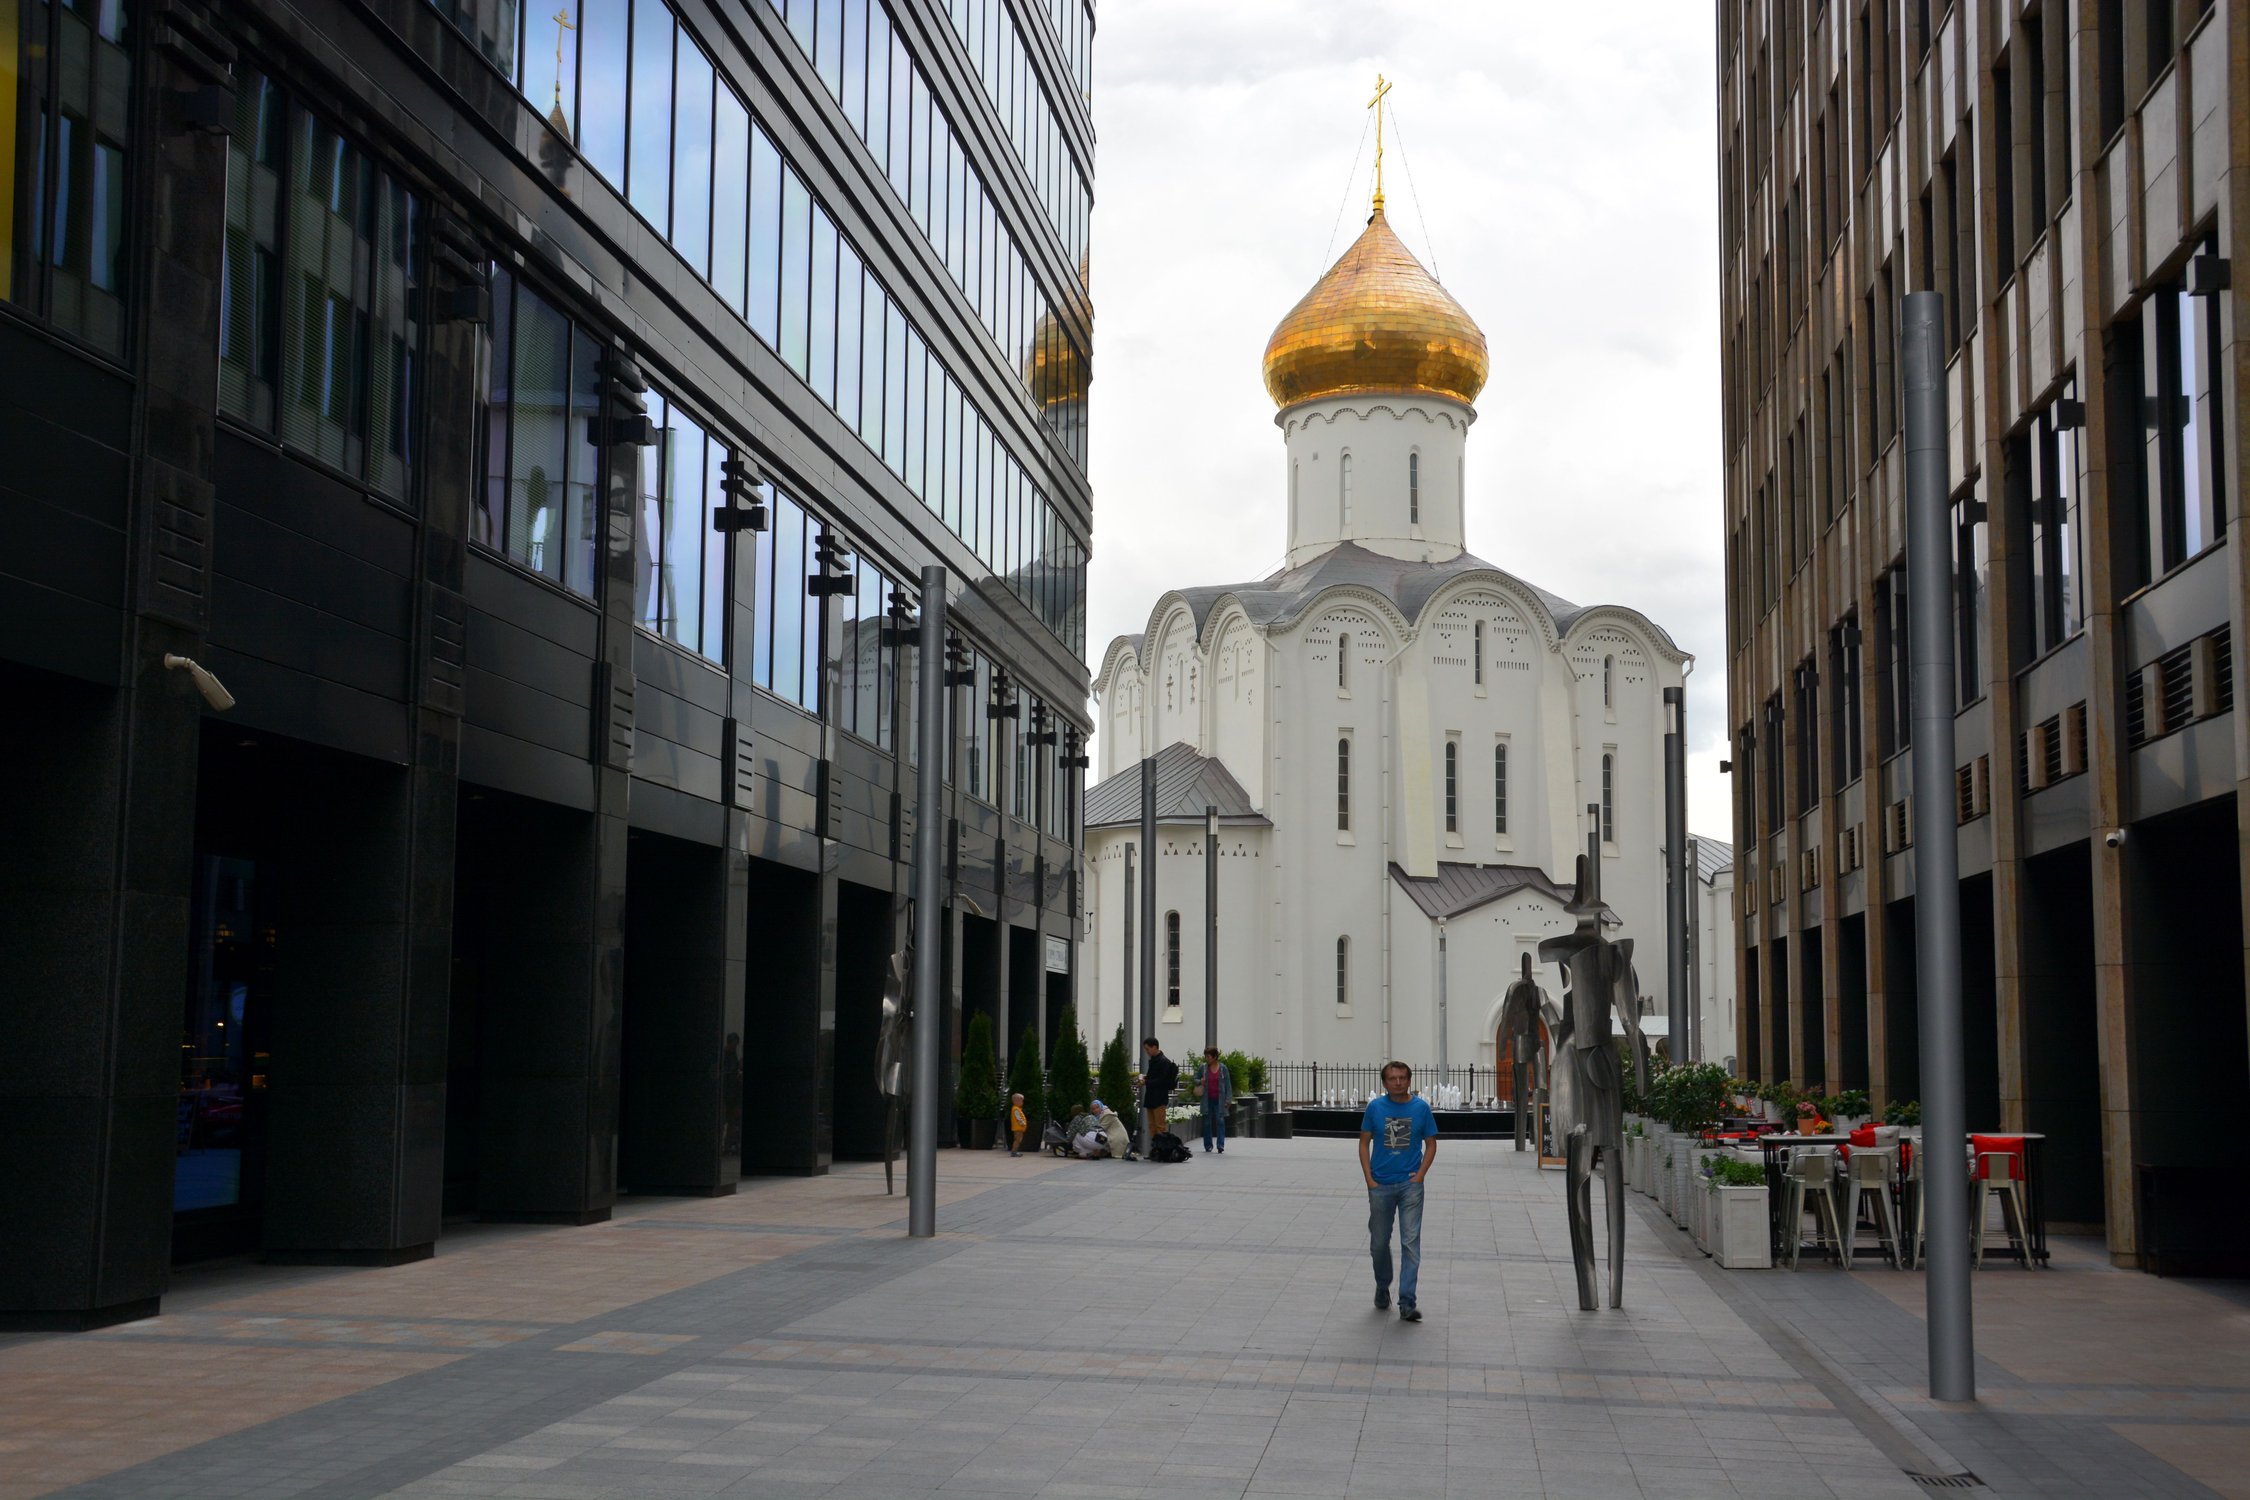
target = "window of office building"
x: 1807, y: 686
x: 2173, y: 380
x: 867, y: 666
x: 2044, y: 531
x: 542, y: 464
x: 785, y: 659
x: 680, y: 583
x: 66, y: 92
x: 1894, y: 723
x: 317, y: 339
x: 1844, y: 743
x: 1972, y: 598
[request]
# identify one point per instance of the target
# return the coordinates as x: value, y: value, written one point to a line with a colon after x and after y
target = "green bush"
x: 1025, y: 1077
x: 1116, y: 1083
x: 1692, y: 1095
x: 1069, y: 1077
x: 976, y: 1092
x: 1258, y: 1076
x: 1851, y: 1102
x: 1903, y: 1112
x: 1733, y: 1171
x: 1238, y: 1069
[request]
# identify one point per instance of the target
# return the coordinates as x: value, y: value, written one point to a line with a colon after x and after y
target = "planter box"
x: 1739, y: 1228
x: 1645, y: 1168
x: 1700, y: 1197
x: 1664, y: 1151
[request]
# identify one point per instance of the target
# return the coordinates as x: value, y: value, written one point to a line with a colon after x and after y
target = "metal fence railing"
x: 1306, y: 1082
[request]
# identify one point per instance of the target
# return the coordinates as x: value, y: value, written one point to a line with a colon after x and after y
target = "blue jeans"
x: 1403, y: 1199
x: 1214, y: 1124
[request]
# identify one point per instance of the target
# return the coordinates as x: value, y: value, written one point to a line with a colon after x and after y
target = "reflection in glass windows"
x: 317, y: 337
x: 679, y: 588
x: 66, y: 91
x: 2044, y: 532
x: 542, y: 498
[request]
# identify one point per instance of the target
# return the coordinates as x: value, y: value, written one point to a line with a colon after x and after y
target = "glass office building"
x: 2056, y: 170
x: 532, y: 425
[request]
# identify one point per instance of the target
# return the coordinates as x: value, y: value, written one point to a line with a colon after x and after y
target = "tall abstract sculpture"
x: 1521, y: 1010
x: 894, y: 1043
x: 1588, y: 1095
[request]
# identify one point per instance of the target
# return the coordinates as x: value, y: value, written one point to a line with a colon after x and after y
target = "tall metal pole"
x: 1210, y: 927
x: 929, y: 855
x: 1937, y: 912
x: 1675, y: 885
x: 1148, y: 901
x: 1441, y: 980
x: 1125, y: 1008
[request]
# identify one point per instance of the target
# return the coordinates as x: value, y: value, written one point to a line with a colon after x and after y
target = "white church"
x: 1393, y: 731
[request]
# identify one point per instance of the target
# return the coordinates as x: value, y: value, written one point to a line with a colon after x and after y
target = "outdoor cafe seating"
x: 1872, y: 1179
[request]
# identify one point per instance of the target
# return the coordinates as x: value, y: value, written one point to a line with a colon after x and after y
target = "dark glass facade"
x: 541, y: 437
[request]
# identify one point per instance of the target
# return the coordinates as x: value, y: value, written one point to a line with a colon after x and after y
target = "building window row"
x: 542, y: 477
x: 1073, y: 21
x: 318, y: 342
x: 987, y: 28
x: 66, y: 91
x: 854, y: 345
x: 867, y: 68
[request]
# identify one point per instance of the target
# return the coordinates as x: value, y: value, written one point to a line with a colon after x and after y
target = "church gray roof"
x: 1711, y: 856
x: 1456, y: 888
x: 1280, y: 598
x: 1186, y: 784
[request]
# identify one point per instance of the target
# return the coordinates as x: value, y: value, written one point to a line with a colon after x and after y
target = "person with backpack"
x: 1159, y: 1074
x: 1397, y: 1148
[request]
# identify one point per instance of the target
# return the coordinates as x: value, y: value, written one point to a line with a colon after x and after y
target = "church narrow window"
x: 1172, y: 959
x: 1500, y: 787
x: 1345, y: 469
x: 1294, y: 467
x: 1609, y: 679
x: 1344, y: 785
x: 1343, y: 663
x: 1343, y: 972
x: 1414, y: 489
x: 1452, y: 786
x: 1476, y: 636
x: 1609, y: 799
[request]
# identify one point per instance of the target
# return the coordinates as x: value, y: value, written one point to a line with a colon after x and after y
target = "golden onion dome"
x: 1376, y: 322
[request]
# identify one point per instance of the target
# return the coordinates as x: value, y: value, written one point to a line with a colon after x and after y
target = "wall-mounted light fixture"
x: 214, y: 691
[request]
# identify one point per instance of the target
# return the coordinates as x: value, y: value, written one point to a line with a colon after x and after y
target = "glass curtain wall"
x: 66, y: 91
x: 542, y: 467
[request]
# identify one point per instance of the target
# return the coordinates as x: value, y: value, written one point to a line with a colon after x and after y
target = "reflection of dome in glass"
x: 1058, y: 370
x: 1376, y: 322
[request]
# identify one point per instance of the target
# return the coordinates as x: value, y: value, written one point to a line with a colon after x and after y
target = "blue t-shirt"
x: 1399, y: 1131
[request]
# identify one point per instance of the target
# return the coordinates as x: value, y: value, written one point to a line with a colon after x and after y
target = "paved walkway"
x: 1117, y: 1329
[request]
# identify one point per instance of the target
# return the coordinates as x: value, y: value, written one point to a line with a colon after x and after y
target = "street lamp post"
x: 1210, y: 927
x: 1441, y: 982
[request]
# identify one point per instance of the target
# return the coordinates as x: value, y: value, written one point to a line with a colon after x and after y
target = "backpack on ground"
x: 1165, y: 1146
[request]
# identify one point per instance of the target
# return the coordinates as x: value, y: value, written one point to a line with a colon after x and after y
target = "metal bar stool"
x: 1812, y: 1179
x: 1868, y: 1179
x: 2000, y: 1176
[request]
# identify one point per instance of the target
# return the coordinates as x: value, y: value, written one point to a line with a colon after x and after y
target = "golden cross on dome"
x: 563, y: 24
x: 1382, y: 87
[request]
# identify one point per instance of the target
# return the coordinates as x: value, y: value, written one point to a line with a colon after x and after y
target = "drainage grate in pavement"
x: 1961, y: 1481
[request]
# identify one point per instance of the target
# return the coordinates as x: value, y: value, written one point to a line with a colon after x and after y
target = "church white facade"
x: 1394, y: 731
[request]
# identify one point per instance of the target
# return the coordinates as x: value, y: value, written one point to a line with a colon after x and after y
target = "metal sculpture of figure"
x: 894, y: 1046
x: 1521, y: 1011
x: 1588, y: 1096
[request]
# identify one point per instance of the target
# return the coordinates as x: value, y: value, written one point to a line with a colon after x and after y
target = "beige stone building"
x: 2068, y: 174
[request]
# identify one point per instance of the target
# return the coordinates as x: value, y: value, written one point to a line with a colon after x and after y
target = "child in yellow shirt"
x: 1019, y: 1125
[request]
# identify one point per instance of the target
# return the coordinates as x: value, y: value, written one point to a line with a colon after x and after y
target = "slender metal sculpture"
x: 1589, y: 1101
x: 1520, y: 1012
x: 894, y: 1043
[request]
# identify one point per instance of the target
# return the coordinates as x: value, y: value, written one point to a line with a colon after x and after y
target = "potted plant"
x: 1903, y: 1112
x: 1027, y: 1078
x: 1849, y: 1109
x: 1115, y: 1085
x: 976, y: 1092
x: 1070, y: 1078
x: 1737, y: 1228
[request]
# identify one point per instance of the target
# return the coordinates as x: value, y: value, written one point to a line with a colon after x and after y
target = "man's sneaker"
x: 1382, y: 1299
x: 1409, y: 1313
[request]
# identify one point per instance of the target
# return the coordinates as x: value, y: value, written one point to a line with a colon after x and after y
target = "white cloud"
x: 1557, y: 167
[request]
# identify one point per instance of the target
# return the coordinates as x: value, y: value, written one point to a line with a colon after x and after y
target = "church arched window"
x: 1294, y: 467
x: 1500, y: 788
x: 1452, y: 786
x: 1344, y: 482
x: 1609, y: 682
x: 1414, y: 489
x: 1344, y: 785
x: 1609, y: 799
x: 1343, y: 972
x: 1343, y: 663
x: 1172, y: 959
x: 1476, y: 636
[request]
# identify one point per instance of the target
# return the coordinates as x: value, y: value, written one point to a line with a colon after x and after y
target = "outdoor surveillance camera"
x: 214, y: 691
x: 2115, y: 838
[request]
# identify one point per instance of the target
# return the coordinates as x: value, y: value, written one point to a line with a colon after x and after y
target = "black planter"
x: 982, y: 1134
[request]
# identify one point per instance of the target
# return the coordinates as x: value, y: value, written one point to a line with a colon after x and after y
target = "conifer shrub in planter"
x: 1070, y: 1078
x: 1027, y: 1078
x: 976, y: 1091
x: 1115, y: 1085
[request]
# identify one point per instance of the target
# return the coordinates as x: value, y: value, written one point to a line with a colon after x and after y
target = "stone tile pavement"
x: 1117, y: 1329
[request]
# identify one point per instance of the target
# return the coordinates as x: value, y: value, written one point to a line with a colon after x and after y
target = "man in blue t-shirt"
x: 1397, y: 1145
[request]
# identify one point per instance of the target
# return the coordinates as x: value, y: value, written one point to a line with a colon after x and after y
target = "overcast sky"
x: 1552, y: 163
